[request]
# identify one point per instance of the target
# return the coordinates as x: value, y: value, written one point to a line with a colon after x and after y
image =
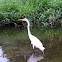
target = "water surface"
x: 16, y: 45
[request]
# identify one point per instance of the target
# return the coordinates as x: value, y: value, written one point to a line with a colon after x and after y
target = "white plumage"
x: 34, y: 40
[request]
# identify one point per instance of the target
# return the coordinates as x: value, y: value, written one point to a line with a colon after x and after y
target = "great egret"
x: 34, y: 40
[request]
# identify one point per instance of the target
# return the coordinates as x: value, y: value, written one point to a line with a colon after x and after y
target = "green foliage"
x: 37, y: 10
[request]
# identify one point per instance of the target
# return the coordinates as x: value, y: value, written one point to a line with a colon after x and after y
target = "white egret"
x: 34, y: 40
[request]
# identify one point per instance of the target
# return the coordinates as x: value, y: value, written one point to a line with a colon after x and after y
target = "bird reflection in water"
x: 3, y: 57
x: 34, y: 58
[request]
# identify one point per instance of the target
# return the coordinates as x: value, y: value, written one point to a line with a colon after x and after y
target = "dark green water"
x: 16, y: 44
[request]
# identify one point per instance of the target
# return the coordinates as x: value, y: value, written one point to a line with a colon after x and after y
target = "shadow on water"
x: 17, y: 46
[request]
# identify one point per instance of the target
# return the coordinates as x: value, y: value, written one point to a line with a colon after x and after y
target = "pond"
x: 15, y: 45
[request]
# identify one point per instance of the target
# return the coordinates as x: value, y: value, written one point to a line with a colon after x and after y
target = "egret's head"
x: 25, y: 19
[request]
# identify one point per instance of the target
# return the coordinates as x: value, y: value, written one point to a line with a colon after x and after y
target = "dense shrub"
x: 39, y: 11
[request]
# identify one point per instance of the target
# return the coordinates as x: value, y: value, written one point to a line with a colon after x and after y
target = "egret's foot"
x: 33, y: 51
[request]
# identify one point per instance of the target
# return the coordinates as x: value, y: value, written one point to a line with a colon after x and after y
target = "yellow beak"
x: 20, y: 20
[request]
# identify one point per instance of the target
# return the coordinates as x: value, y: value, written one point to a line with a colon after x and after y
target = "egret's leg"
x: 33, y: 48
x: 43, y: 53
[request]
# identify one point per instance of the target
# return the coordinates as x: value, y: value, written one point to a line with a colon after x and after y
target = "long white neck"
x: 28, y: 27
